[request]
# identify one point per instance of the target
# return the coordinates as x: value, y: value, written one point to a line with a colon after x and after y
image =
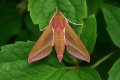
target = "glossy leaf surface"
x: 46, y: 69
x: 114, y: 72
x: 112, y: 18
x: 72, y: 9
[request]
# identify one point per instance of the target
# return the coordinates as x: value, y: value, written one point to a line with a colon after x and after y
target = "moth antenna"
x: 73, y: 22
x: 69, y: 20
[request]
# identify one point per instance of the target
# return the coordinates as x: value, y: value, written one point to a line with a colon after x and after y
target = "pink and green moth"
x: 58, y: 34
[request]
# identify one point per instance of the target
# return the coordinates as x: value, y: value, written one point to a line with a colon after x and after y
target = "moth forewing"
x: 75, y: 46
x: 58, y: 34
x: 43, y: 46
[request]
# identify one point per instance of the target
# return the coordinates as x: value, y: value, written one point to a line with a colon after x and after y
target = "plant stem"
x: 102, y: 60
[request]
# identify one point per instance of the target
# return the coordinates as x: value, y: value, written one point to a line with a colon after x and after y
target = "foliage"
x: 22, y: 20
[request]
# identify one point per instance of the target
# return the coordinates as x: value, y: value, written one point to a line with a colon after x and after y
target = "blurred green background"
x: 15, y: 22
x: 16, y: 25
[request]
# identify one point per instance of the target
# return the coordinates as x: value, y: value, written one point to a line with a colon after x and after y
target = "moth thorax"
x: 59, y: 22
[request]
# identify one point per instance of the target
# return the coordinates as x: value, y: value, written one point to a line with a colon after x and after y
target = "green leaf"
x: 10, y: 22
x: 14, y: 66
x: 112, y: 18
x: 113, y: 57
x: 41, y: 11
x: 14, y: 52
x: 74, y: 10
x: 89, y: 32
x: 84, y: 73
x: 114, y: 73
x: 93, y: 6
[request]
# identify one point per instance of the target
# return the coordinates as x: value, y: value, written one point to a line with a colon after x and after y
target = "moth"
x: 60, y: 35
